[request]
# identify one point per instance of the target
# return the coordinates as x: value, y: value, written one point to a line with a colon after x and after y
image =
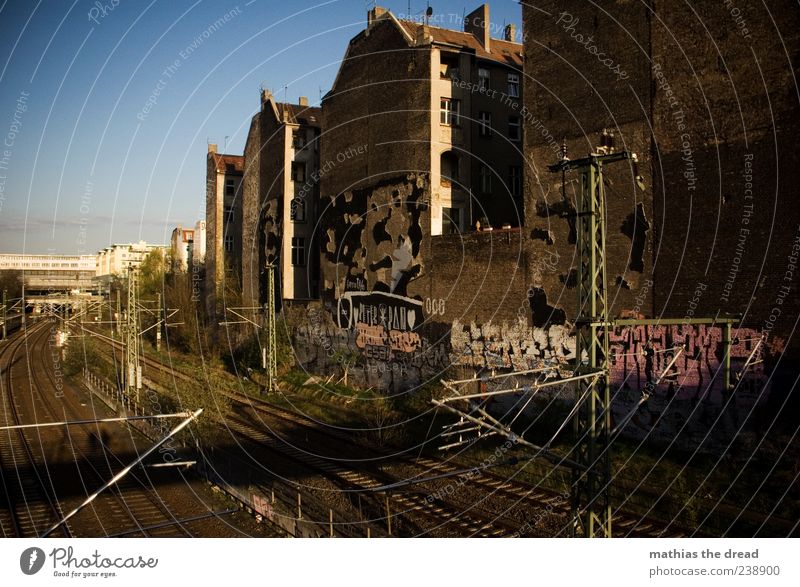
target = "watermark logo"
x: 31, y: 560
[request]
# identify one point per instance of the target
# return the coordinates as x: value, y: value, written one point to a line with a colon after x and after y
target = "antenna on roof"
x: 226, y: 143
x: 428, y: 14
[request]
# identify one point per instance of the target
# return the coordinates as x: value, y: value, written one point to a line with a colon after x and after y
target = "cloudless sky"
x: 84, y: 162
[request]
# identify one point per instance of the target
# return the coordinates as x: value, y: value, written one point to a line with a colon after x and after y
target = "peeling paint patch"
x: 570, y: 280
x: 561, y: 209
x: 635, y: 228
x: 544, y: 314
x: 621, y: 283
x: 543, y: 235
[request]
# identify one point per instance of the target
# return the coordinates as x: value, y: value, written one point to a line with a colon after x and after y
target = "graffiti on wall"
x: 384, y: 323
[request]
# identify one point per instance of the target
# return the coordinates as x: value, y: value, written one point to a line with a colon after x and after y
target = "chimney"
x: 374, y: 14
x: 212, y: 147
x: 477, y: 23
x: 303, y: 101
x: 423, y: 35
x: 511, y: 33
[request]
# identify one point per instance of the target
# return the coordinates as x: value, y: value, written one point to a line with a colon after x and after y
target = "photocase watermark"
x: 792, y: 264
x: 55, y: 341
x: 31, y: 560
x: 747, y: 211
x: 83, y: 221
x: 539, y: 515
x: 170, y: 70
x: 477, y: 471
x: 167, y: 450
x: 14, y: 128
x: 456, y: 19
x: 528, y: 118
x: 679, y: 119
x: 324, y: 169
x: 699, y: 289
x: 738, y: 18
x: 569, y: 23
x: 101, y: 9
x: 344, y: 357
x: 95, y: 564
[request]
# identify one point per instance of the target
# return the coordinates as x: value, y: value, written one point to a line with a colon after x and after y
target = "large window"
x: 449, y: 168
x: 450, y: 110
x: 515, y: 180
x: 486, y: 180
x: 513, y: 85
x: 298, y: 139
x: 298, y: 171
x: 485, y: 129
x: 451, y: 220
x: 228, y: 243
x: 230, y: 187
x: 449, y: 66
x: 484, y: 78
x: 298, y: 251
x: 514, y: 128
x: 297, y: 211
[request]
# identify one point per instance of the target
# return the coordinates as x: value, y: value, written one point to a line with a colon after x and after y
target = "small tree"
x: 11, y: 281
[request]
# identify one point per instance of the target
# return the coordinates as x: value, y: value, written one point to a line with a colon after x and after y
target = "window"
x: 228, y: 214
x: 485, y: 129
x: 484, y: 78
x: 486, y: 180
x: 298, y: 251
x: 515, y: 180
x: 449, y: 111
x: 228, y: 243
x: 449, y: 168
x: 448, y: 66
x: 298, y: 171
x: 298, y: 139
x: 451, y: 220
x: 513, y: 85
x: 297, y: 211
x: 514, y: 130
x: 230, y: 187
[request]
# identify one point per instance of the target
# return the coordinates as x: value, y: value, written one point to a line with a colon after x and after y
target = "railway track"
x: 487, y: 514
x: 131, y: 506
x: 66, y: 464
x: 30, y: 503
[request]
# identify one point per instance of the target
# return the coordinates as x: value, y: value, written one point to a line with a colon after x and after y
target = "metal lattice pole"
x: 133, y: 373
x: 271, y: 343
x: 591, y: 483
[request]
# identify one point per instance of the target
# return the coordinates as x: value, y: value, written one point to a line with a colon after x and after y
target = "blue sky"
x: 106, y: 106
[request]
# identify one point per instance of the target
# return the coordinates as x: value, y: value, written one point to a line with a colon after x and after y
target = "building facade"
x: 114, y: 260
x: 413, y: 98
x: 281, y: 198
x: 223, y: 256
x: 182, y: 248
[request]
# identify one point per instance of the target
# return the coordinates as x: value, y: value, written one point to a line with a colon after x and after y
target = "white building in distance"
x: 114, y: 260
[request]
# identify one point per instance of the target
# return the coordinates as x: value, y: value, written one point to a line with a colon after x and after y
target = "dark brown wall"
x: 251, y: 207
x: 570, y: 94
x: 736, y: 97
x: 381, y: 101
x: 711, y: 106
